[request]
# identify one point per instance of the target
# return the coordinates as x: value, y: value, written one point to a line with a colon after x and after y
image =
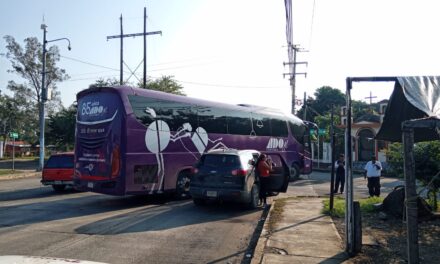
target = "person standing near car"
x: 264, y: 167
x: 372, y: 172
x: 340, y: 174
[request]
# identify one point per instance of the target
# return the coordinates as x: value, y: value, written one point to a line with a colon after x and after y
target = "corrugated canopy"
x: 412, y: 98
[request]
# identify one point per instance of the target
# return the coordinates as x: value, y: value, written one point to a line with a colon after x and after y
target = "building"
x: 363, y: 132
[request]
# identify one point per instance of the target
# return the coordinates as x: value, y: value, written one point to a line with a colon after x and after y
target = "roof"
x: 416, y: 97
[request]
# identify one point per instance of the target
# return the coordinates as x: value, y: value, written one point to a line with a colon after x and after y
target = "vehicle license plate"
x: 211, y: 193
x: 90, y: 184
x: 57, y: 182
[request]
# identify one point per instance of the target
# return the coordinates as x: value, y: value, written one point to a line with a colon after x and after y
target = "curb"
x: 257, y: 258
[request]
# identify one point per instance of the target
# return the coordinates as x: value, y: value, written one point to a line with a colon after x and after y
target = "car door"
x: 279, y: 176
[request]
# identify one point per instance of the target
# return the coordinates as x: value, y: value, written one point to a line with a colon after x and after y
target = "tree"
x: 61, y: 128
x: 27, y: 63
x: 101, y: 82
x: 427, y: 162
x: 325, y: 97
x: 166, y: 84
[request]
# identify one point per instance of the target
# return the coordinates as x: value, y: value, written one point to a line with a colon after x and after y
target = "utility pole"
x: 293, y: 49
x: 43, y: 97
x: 144, y: 34
x: 305, y: 107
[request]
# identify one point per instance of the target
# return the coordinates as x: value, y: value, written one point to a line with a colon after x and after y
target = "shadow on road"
x: 154, y: 213
x: 38, y: 192
x: 165, y: 217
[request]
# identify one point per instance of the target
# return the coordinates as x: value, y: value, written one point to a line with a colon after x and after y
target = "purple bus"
x: 138, y: 141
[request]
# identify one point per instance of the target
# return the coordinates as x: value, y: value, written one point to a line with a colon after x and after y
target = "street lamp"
x: 43, y: 97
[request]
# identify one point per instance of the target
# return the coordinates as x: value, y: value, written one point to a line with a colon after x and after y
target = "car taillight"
x: 194, y: 170
x: 116, y: 161
x: 239, y: 172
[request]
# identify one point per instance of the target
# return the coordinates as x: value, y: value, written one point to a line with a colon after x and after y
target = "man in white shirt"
x: 372, y: 172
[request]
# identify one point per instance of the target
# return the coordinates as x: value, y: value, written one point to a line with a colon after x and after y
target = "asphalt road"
x: 34, y: 220
x: 37, y: 221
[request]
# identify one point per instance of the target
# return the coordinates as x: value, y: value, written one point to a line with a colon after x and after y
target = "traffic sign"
x: 13, y: 135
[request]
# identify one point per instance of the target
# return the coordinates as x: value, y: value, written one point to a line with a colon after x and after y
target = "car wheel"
x: 294, y: 172
x: 198, y: 201
x: 255, y: 197
x: 182, y: 185
x: 59, y: 188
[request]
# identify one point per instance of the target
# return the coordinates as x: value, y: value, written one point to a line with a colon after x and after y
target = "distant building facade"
x: 363, y: 131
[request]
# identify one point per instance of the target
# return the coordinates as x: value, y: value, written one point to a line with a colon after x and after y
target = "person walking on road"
x: 372, y: 172
x: 340, y: 174
x: 264, y: 167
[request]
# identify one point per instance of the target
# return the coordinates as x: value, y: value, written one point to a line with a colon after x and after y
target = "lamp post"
x: 43, y: 97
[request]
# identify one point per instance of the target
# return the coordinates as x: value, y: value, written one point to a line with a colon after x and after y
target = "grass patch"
x: 6, y: 171
x: 367, y: 206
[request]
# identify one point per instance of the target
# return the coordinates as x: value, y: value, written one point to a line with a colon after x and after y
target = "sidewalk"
x: 299, y: 234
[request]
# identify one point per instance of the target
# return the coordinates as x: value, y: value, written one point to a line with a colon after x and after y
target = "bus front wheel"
x: 182, y: 185
x: 294, y: 172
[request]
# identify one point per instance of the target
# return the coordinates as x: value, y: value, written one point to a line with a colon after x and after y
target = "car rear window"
x: 61, y: 162
x: 220, y: 161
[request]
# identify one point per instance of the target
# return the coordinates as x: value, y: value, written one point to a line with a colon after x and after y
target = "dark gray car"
x: 229, y: 175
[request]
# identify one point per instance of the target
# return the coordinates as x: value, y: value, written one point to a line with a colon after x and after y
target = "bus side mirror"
x: 251, y: 162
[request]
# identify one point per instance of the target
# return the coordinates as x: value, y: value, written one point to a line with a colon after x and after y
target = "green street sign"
x: 312, y: 132
x: 13, y: 135
x: 322, y: 132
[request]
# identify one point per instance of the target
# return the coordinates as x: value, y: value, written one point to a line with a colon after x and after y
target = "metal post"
x: 13, y: 153
x: 43, y: 98
x: 410, y: 195
x: 293, y: 80
x: 43, y: 94
x: 349, y: 216
x: 332, y: 143
x: 145, y: 47
x: 121, y: 78
x: 305, y: 107
x: 319, y: 156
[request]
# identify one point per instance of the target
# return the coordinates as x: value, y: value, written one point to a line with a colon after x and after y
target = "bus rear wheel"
x: 294, y: 172
x: 182, y: 185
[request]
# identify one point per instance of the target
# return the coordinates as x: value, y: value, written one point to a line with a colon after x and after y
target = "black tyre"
x: 198, y: 201
x: 255, y: 197
x: 182, y: 185
x: 59, y: 188
x: 294, y: 172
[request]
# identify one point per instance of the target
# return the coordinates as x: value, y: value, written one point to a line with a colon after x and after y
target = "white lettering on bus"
x: 92, y: 108
x: 276, y: 144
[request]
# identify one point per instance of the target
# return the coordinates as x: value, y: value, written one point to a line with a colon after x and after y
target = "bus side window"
x: 299, y: 132
x: 239, y: 123
x: 212, y: 119
x: 261, y: 124
x: 279, y: 127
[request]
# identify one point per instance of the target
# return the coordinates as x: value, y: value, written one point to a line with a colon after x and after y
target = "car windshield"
x: 62, y: 162
x: 221, y: 161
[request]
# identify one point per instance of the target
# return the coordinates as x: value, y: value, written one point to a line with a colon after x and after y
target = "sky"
x: 233, y: 51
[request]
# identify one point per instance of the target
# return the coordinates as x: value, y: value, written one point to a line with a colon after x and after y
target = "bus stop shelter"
x: 412, y: 115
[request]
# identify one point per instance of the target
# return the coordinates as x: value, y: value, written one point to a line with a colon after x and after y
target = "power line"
x: 89, y: 63
x: 311, y: 25
x: 232, y: 86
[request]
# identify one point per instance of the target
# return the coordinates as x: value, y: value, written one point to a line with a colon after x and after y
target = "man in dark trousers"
x: 372, y: 173
x: 340, y: 174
